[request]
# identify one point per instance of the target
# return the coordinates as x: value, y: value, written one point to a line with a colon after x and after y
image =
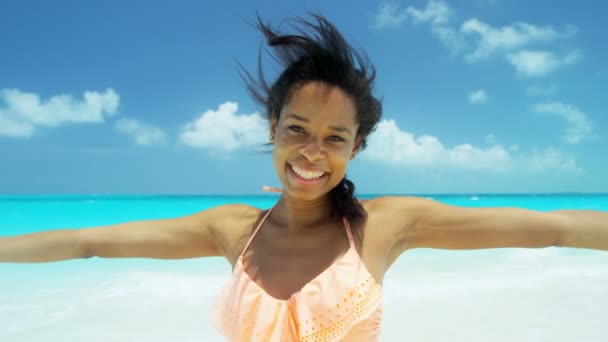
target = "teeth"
x: 307, y: 174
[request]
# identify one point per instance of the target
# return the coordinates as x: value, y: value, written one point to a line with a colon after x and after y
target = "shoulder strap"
x: 255, y: 231
x: 351, y: 241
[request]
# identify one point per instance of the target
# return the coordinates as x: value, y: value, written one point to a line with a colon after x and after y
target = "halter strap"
x: 351, y: 240
x: 257, y: 229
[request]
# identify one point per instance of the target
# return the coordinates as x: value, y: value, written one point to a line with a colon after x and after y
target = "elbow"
x: 84, y: 247
x: 559, y: 236
x: 556, y: 240
x: 86, y: 254
x: 559, y: 239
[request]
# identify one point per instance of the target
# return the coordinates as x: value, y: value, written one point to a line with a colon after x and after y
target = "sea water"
x: 548, y: 294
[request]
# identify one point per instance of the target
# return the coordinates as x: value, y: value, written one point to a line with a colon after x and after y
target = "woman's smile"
x: 306, y: 176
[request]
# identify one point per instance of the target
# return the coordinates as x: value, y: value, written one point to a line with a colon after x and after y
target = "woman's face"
x: 314, y: 138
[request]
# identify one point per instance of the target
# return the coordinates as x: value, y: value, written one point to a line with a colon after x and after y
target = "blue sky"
x: 480, y: 96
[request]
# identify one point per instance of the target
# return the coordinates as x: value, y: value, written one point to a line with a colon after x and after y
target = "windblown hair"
x: 317, y: 52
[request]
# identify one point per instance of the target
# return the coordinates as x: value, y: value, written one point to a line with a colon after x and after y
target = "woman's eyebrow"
x: 297, y: 117
x: 341, y: 129
x: 301, y: 118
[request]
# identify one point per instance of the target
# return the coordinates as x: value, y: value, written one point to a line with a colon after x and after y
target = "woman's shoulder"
x: 231, y: 222
x: 236, y: 211
x: 234, y: 218
x: 386, y: 204
x: 388, y: 216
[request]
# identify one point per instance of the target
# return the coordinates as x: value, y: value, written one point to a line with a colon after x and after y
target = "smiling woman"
x: 321, y: 110
x: 324, y: 67
x: 311, y: 268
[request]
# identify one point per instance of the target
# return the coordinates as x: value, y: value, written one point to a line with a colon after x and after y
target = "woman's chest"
x: 283, y: 267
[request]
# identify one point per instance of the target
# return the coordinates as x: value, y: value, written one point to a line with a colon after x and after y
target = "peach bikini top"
x: 343, y: 303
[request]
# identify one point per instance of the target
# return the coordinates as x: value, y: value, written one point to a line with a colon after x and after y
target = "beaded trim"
x: 340, y: 327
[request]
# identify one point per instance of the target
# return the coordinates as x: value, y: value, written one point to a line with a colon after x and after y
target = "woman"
x: 311, y: 268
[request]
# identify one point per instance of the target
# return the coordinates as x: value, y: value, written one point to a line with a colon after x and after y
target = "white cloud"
x: 224, y: 130
x: 15, y: 129
x: 579, y: 127
x: 538, y: 90
x: 450, y: 38
x: 437, y: 12
x: 23, y: 111
x: 540, y: 63
x: 478, y: 41
x: 389, y: 15
x: 478, y: 96
x: 143, y: 134
x: 508, y: 38
x: 390, y: 145
x: 547, y: 160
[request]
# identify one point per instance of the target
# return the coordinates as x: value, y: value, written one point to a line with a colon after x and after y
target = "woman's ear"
x: 358, y: 142
x: 273, y: 129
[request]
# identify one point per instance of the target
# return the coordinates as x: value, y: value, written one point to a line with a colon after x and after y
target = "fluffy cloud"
x: 479, y: 41
x: 507, y: 38
x: 390, y: 145
x: 450, y: 38
x: 23, y: 112
x: 437, y: 12
x: 143, y: 134
x: 224, y: 130
x: 478, y: 96
x: 539, y: 63
x: 579, y: 127
x: 389, y: 15
x: 15, y: 128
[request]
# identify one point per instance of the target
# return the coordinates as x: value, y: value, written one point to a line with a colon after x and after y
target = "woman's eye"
x: 296, y: 129
x: 336, y: 138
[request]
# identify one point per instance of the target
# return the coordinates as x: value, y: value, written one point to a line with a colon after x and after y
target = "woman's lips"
x: 305, y: 181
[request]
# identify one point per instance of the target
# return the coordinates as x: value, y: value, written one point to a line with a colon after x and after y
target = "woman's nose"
x: 312, y: 150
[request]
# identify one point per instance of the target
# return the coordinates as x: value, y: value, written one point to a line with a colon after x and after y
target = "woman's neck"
x: 297, y: 214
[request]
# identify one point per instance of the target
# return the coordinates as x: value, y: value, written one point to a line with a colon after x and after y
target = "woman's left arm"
x: 423, y: 223
x: 583, y: 228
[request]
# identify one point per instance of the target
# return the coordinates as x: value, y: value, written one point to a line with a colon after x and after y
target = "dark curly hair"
x: 317, y: 52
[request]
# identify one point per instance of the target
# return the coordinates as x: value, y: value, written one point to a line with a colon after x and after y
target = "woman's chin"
x: 305, y: 194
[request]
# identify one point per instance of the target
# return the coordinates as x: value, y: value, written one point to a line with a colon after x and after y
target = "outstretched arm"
x: 195, y: 235
x: 427, y: 223
x: 584, y: 228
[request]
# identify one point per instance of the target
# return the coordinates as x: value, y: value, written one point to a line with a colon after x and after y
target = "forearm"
x: 584, y: 229
x: 41, y: 247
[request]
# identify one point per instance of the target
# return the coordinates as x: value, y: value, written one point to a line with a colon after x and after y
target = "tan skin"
x: 316, y: 130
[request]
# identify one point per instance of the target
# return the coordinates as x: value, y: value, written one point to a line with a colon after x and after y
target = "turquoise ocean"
x: 549, y: 294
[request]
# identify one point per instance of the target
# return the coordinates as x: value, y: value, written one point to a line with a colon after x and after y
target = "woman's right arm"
x: 191, y: 236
